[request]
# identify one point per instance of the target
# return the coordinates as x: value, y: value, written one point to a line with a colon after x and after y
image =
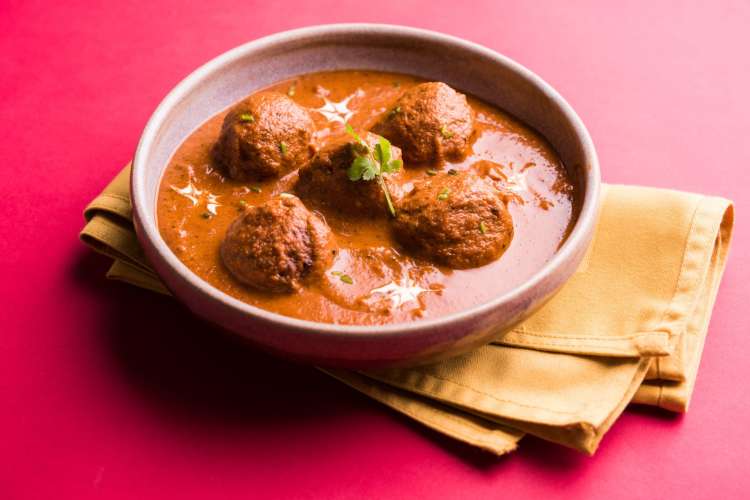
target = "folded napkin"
x: 628, y: 327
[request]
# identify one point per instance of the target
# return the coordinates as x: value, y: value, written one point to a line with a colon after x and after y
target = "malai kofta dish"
x: 361, y: 197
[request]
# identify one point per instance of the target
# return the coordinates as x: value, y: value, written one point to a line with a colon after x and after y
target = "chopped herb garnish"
x: 394, y: 112
x: 346, y: 279
x: 371, y: 163
x: 283, y: 147
x: 247, y: 117
x: 242, y: 204
x: 255, y: 189
x: 292, y: 90
x: 343, y: 277
x: 431, y: 171
x: 452, y: 171
x: 483, y: 227
x: 445, y: 132
x: 206, y: 215
x: 444, y: 194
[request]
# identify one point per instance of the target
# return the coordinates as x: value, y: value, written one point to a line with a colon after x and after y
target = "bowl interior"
x: 463, y: 65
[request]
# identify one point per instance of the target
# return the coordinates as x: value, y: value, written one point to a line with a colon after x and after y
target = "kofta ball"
x: 278, y: 246
x: 265, y: 135
x: 458, y: 221
x: 431, y: 123
x: 326, y: 182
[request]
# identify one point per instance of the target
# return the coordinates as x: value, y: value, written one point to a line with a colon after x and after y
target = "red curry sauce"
x: 372, y: 280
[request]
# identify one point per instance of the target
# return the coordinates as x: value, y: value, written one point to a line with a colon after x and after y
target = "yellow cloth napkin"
x: 628, y: 327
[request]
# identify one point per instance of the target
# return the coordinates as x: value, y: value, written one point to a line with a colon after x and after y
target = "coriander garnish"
x: 444, y: 194
x: 371, y: 163
x: 343, y: 277
x: 394, y: 112
x: 242, y: 205
x: 431, y: 172
x: 483, y: 227
x: 283, y: 147
x: 445, y: 132
x: 292, y: 90
x: 255, y: 189
x: 247, y: 117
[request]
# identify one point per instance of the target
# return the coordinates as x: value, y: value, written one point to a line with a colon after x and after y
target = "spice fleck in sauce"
x: 372, y: 280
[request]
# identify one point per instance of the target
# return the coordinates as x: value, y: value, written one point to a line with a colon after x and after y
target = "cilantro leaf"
x: 351, y: 132
x: 370, y: 172
x: 391, y: 166
x: 383, y: 151
x: 370, y: 163
x: 358, y: 167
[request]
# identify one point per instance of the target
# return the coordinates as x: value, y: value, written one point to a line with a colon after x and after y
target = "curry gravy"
x: 372, y: 280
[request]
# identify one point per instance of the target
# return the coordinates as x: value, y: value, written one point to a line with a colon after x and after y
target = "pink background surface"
x: 107, y: 391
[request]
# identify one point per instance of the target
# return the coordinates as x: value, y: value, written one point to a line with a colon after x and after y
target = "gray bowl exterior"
x: 464, y: 65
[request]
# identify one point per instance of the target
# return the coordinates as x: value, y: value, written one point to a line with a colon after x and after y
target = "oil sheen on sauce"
x: 197, y: 203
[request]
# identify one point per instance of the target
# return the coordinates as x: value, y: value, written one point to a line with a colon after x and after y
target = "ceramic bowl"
x: 464, y: 65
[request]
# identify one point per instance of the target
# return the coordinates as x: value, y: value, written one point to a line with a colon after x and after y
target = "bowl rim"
x: 143, y: 203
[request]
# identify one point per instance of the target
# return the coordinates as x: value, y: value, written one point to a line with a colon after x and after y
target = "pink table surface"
x: 107, y: 391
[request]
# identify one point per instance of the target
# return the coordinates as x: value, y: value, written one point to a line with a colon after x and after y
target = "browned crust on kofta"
x: 265, y: 135
x: 325, y: 181
x: 431, y: 122
x: 277, y: 246
x: 455, y: 220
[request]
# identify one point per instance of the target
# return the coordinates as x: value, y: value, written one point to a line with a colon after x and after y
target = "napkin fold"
x: 628, y: 327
